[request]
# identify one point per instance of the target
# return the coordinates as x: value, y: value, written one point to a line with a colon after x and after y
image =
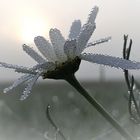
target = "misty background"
x: 22, y: 20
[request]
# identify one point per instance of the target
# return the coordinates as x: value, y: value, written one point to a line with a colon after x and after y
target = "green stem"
x: 73, y: 81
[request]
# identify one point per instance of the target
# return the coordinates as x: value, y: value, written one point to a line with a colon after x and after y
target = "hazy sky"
x: 21, y: 20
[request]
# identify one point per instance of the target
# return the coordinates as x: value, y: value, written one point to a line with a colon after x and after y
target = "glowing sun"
x: 32, y: 27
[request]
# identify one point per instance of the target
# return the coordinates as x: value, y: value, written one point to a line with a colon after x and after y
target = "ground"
x: 70, y: 111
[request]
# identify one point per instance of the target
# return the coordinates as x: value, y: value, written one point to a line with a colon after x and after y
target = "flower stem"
x: 73, y: 81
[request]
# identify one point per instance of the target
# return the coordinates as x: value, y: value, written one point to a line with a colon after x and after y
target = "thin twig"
x: 130, y: 81
x: 52, y: 122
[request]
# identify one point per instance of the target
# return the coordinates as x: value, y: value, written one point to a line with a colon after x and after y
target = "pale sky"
x: 22, y: 20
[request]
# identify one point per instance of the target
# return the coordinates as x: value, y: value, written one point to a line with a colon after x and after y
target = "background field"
x: 75, y: 117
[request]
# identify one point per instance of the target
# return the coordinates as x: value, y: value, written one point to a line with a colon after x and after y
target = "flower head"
x: 61, y: 58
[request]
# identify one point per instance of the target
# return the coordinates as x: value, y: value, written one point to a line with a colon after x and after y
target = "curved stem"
x: 53, y: 123
x: 73, y: 81
x: 130, y: 82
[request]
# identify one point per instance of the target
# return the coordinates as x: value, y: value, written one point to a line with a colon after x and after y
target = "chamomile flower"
x: 61, y: 58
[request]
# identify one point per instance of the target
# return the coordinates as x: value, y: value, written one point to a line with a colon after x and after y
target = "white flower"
x: 61, y: 57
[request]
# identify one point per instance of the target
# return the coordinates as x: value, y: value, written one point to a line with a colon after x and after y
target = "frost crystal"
x: 92, y: 15
x: 97, y: 42
x: 70, y: 48
x: 84, y: 37
x: 30, y: 84
x: 45, y: 48
x: 75, y: 29
x: 58, y: 42
x: 110, y: 61
x: 18, y: 82
x: 17, y: 68
x: 33, y: 54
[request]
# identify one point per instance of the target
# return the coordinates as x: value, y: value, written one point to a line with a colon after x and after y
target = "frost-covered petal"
x: 31, y: 52
x: 58, y: 42
x: 93, y: 15
x: 45, y: 66
x: 18, y: 82
x: 75, y: 29
x: 29, y: 86
x: 103, y: 40
x: 84, y: 37
x: 29, y: 71
x: 17, y: 68
x: 86, y: 31
x: 45, y: 48
x: 70, y: 48
x: 110, y: 61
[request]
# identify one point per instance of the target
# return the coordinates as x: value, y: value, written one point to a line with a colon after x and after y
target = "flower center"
x: 64, y: 70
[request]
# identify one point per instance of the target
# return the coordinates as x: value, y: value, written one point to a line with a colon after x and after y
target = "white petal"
x: 86, y: 31
x: 33, y: 54
x: 17, y: 68
x: 84, y: 37
x: 45, y: 48
x: 92, y: 15
x: 29, y: 71
x: 70, y: 48
x: 110, y: 61
x: 45, y: 66
x: 58, y: 42
x: 18, y: 82
x: 75, y: 29
x: 30, y: 84
x: 103, y: 40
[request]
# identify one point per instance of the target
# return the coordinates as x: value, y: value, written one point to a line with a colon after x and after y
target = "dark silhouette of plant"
x: 133, y: 86
x: 57, y: 129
